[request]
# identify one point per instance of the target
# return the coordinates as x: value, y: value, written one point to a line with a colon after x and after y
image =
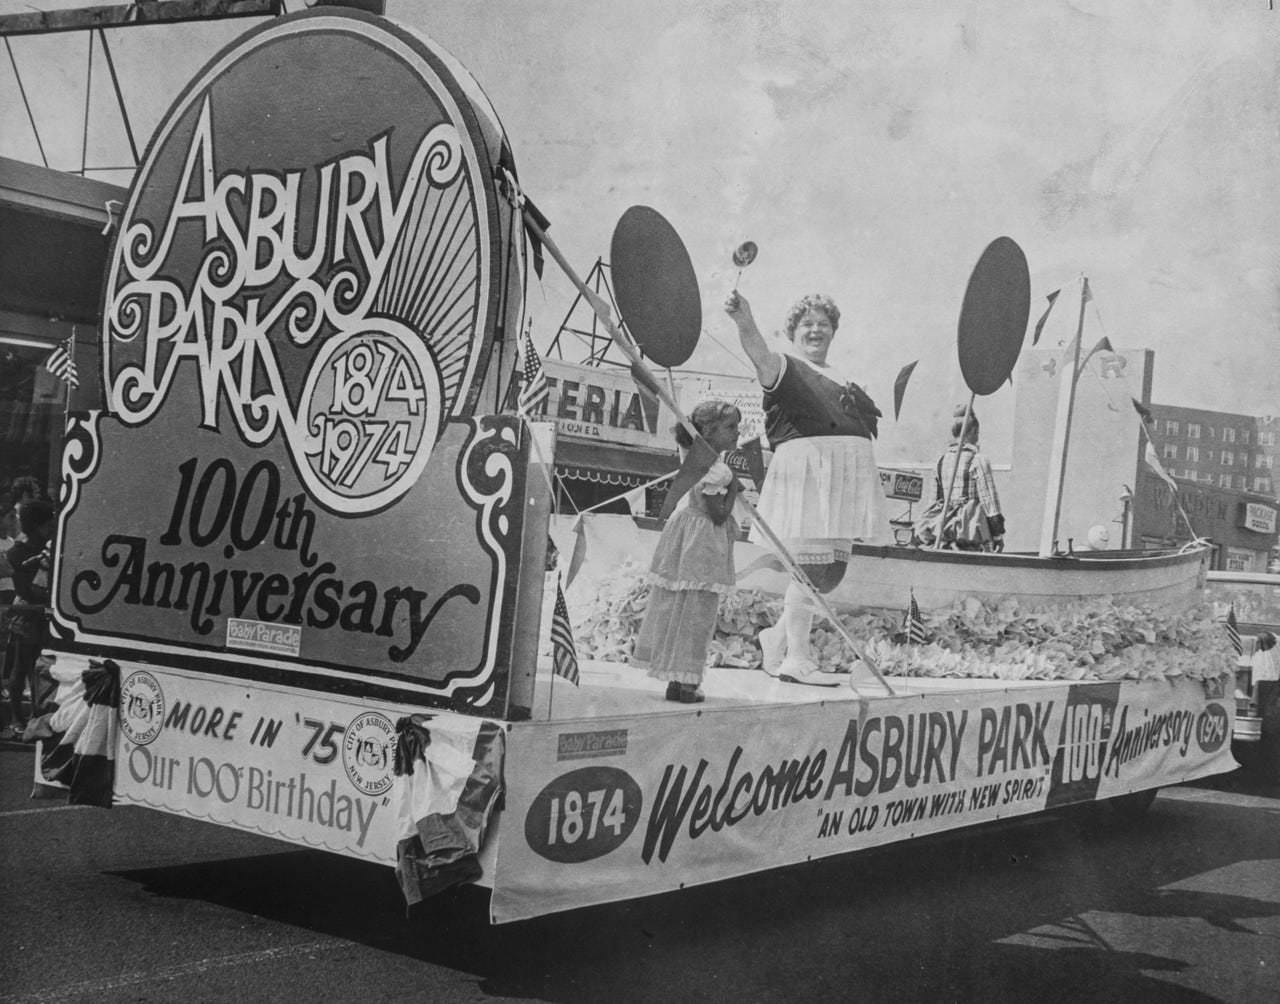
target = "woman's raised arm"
x: 768, y: 363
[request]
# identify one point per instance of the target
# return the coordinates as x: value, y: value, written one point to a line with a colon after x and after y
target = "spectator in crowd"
x: 25, y: 626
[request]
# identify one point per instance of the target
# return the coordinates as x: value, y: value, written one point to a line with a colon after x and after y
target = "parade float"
x: 302, y: 581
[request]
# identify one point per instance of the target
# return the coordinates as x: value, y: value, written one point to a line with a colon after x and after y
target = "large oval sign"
x: 310, y: 254
x: 297, y: 475
x: 993, y: 318
x: 584, y: 814
x: 656, y: 286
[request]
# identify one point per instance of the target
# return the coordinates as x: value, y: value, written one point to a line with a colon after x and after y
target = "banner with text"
x: 598, y: 811
x: 316, y: 770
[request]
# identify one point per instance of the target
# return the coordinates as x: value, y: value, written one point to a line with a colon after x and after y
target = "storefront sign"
x: 603, y: 405
x: 299, y: 311
x: 675, y: 802
x: 902, y: 485
x: 1258, y: 517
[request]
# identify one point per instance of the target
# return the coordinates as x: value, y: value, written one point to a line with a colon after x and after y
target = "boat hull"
x: 887, y: 577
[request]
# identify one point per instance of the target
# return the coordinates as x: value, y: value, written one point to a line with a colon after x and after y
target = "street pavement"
x: 134, y: 905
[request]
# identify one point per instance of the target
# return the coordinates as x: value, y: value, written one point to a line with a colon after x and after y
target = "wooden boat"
x: 887, y: 576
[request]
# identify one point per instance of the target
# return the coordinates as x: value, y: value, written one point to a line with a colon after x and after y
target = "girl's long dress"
x: 691, y: 569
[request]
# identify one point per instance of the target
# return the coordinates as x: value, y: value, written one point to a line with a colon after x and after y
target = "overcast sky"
x: 871, y: 151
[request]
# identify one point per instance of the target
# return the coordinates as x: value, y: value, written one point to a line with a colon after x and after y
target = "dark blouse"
x: 805, y: 403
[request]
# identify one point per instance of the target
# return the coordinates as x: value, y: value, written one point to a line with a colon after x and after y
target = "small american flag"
x: 1233, y: 631
x: 564, y: 658
x: 534, y: 389
x: 62, y: 365
x: 913, y: 623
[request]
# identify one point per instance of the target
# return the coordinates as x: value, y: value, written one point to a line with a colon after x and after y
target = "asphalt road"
x: 133, y: 905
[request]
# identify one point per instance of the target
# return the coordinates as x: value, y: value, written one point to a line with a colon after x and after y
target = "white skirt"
x: 821, y: 494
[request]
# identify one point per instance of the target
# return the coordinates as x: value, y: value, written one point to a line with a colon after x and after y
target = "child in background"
x: 692, y: 566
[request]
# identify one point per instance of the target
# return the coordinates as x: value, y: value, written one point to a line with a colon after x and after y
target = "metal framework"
x: 132, y: 15
x: 94, y: 20
x: 587, y: 332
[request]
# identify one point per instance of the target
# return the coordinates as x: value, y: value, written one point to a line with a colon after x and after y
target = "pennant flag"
x: 535, y: 242
x: 1052, y: 298
x: 646, y: 383
x: 61, y: 364
x: 448, y: 779
x: 696, y: 464
x: 1154, y: 463
x: 913, y: 623
x: 637, y: 501
x: 1143, y: 411
x: 534, y: 389
x: 81, y: 733
x: 564, y: 658
x: 572, y: 542
x: 1104, y: 345
x: 900, y: 387
x: 1233, y: 631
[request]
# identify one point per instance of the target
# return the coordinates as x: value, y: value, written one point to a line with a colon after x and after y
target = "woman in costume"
x: 822, y: 490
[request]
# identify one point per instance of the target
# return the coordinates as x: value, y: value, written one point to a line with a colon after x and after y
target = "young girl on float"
x: 692, y: 566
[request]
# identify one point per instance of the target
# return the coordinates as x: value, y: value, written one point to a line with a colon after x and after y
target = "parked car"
x: 1252, y: 600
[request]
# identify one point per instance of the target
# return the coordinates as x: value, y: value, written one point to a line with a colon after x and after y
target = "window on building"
x: 1193, y: 430
x: 1193, y: 454
x: 1170, y: 451
x: 1228, y: 458
x: 1266, y: 439
x: 1245, y: 436
x: 1263, y: 460
x: 1171, y: 427
x: 1241, y: 484
x: 1224, y: 480
x: 1228, y: 435
x: 1262, y: 485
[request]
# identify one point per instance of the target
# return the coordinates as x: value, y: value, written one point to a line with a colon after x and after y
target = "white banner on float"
x: 313, y: 769
x: 610, y: 809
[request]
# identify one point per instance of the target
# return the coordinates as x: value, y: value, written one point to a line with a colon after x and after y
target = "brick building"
x: 1217, y: 448
x: 1224, y: 465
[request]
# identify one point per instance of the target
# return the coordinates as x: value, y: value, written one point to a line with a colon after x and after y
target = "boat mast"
x: 1062, y: 437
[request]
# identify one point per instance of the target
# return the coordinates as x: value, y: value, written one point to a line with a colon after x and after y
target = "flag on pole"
x: 1233, y: 631
x: 1154, y: 463
x: 534, y: 389
x: 62, y: 365
x: 900, y: 387
x: 913, y: 623
x: 1052, y: 298
x: 564, y: 658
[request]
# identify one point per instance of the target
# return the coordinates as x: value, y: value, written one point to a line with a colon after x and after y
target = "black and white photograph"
x: 583, y: 502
